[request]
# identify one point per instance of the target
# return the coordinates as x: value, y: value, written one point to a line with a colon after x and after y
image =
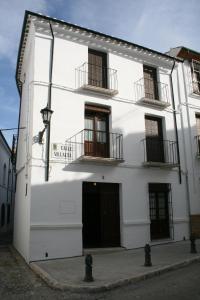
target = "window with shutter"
x: 150, y: 83
x: 196, y: 76
x: 154, y: 139
x: 97, y: 68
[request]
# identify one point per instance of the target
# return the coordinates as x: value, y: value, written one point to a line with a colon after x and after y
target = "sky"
x: 156, y: 24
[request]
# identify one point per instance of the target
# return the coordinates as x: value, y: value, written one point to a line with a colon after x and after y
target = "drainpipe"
x: 49, y: 104
x: 175, y: 123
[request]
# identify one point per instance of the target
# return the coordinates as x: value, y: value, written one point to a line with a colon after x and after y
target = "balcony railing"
x: 197, y: 138
x: 97, y: 78
x: 148, y: 91
x: 160, y: 152
x: 96, y: 145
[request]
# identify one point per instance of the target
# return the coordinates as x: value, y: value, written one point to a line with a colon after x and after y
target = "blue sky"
x: 152, y: 23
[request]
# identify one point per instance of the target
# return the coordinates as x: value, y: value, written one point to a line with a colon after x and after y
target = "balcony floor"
x: 153, y: 102
x: 100, y: 90
x: 103, y: 160
x: 160, y: 164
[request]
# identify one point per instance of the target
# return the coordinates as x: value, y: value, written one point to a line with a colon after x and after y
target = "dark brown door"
x: 101, y: 220
x: 154, y: 139
x: 96, y: 134
x: 97, y: 68
x: 159, y: 211
x: 150, y: 83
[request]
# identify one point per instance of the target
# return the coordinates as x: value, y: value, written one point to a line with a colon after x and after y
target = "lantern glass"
x: 46, y: 115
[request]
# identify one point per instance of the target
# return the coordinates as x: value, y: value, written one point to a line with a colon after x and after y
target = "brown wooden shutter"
x: 153, y: 127
x: 97, y: 68
x: 150, y: 82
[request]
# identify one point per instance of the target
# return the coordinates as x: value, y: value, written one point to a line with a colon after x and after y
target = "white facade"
x: 6, y: 188
x: 189, y: 109
x: 48, y: 214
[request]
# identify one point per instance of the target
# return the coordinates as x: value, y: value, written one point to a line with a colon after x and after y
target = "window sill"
x: 99, y: 90
x: 153, y: 102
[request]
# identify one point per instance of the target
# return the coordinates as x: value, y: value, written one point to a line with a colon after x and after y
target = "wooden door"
x: 101, y: 220
x: 154, y: 139
x: 96, y: 134
x: 150, y: 83
x: 159, y: 211
x: 110, y: 218
x: 91, y: 216
x: 97, y: 68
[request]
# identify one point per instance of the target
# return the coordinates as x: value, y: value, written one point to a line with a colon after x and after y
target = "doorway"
x: 100, y: 215
x: 159, y: 210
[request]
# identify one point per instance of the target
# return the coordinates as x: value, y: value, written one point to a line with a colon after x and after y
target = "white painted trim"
x: 180, y: 220
x: 56, y: 226
x: 136, y: 223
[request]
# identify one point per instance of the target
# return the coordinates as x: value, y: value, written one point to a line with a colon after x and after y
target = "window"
x: 154, y: 139
x: 96, y: 131
x: 196, y: 76
x: 198, y: 133
x: 150, y: 83
x: 97, y: 68
x: 4, y: 174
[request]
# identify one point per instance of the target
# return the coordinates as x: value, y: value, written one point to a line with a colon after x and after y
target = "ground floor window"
x: 160, y: 210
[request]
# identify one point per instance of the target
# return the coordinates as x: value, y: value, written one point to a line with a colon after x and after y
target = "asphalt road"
x: 17, y: 281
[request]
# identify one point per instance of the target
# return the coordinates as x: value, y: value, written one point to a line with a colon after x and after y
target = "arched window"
x: 4, y: 174
x: 2, y: 214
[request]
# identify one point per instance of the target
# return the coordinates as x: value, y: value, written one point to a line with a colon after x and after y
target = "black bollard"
x: 147, y: 250
x: 192, y: 244
x: 88, y: 268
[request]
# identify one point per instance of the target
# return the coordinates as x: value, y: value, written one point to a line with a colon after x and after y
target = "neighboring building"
x: 7, y: 186
x: 109, y: 170
x: 189, y: 107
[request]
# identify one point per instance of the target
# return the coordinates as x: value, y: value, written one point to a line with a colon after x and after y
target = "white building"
x: 109, y: 170
x: 7, y: 185
x: 189, y: 107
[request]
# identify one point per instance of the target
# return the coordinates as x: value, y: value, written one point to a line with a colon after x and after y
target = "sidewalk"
x: 116, y: 268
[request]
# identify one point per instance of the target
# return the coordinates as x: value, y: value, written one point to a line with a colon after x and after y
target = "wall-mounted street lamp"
x: 46, y: 117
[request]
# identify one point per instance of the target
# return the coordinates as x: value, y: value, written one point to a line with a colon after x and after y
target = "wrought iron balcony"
x: 151, y: 92
x: 97, y: 79
x: 96, y: 145
x: 160, y: 153
x: 197, y: 138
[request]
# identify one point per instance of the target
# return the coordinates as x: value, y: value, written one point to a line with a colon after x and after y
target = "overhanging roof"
x: 4, y: 141
x: 25, y: 31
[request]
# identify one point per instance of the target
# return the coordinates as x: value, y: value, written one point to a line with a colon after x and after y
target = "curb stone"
x: 53, y: 283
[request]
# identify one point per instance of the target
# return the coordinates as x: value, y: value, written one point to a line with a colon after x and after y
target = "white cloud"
x: 12, y: 13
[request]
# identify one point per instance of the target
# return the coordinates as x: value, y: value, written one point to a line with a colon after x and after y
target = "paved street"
x: 17, y: 281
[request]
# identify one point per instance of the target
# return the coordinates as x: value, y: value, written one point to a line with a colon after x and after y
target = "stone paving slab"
x: 115, y: 269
